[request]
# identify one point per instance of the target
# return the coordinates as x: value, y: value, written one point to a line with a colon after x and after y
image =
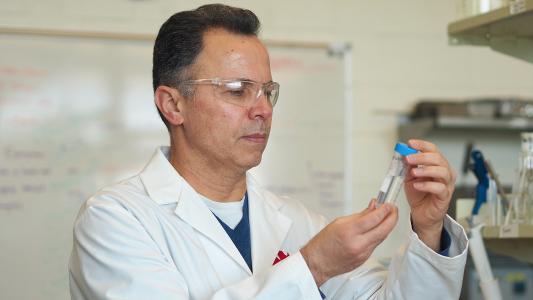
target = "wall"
x: 77, y: 114
x: 400, y: 55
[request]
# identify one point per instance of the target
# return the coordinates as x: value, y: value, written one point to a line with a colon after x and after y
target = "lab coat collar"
x: 162, y: 182
x: 268, y: 226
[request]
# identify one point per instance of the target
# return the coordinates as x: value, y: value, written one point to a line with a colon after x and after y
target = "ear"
x: 169, y: 101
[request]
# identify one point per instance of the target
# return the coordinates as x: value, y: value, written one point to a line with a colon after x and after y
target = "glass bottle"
x: 523, y: 187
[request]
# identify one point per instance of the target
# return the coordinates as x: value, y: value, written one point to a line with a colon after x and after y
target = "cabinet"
x: 507, y: 30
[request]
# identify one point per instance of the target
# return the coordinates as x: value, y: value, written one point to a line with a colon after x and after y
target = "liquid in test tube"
x: 393, y: 182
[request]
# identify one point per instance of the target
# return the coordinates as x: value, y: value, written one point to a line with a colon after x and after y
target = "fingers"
x: 433, y: 187
x: 429, y: 155
x: 377, y: 234
x: 454, y: 176
x: 371, y: 204
x: 373, y: 218
x: 347, y: 242
x: 436, y: 172
x: 426, y: 159
x: 431, y: 169
x: 423, y: 146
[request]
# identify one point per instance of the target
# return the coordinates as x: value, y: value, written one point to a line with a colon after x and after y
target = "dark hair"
x: 180, y: 40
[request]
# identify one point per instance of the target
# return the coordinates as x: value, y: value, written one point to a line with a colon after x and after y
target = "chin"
x: 251, y: 162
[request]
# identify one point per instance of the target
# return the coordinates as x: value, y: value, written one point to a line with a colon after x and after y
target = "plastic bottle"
x: 393, y: 182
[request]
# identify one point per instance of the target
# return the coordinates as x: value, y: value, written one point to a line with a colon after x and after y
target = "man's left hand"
x: 429, y: 185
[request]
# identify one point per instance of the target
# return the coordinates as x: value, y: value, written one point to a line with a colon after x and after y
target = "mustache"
x: 258, y: 127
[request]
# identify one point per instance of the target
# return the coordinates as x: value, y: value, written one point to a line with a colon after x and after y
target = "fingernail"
x: 417, y: 171
x: 370, y: 203
x: 418, y: 185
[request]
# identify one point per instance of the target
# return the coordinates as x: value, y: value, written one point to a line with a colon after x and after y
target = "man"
x: 195, y: 225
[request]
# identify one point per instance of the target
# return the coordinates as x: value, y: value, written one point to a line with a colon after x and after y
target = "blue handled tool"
x: 480, y: 170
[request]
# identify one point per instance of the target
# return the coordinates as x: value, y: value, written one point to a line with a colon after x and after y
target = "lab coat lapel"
x: 164, y: 185
x: 193, y: 211
x: 268, y: 227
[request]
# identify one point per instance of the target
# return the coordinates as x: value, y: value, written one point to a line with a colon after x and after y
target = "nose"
x: 261, y: 109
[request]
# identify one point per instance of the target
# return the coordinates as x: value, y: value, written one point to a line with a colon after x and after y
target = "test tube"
x: 392, y: 184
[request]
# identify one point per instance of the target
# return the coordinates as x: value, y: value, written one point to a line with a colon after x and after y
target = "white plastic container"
x: 393, y: 182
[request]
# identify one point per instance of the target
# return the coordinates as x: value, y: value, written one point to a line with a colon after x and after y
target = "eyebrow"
x: 248, y: 79
x: 243, y: 79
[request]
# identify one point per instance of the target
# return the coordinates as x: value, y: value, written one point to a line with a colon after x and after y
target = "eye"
x: 237, y: 89
x: 236, y: 93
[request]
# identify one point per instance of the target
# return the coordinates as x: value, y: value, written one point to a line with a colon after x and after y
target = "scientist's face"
x: 223, y: 131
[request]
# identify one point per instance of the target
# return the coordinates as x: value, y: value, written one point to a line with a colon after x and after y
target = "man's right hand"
x: 347, y: 242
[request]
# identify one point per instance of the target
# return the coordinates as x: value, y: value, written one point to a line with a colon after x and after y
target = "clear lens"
x: 241, y: 92
x: 246, y: 93
x: 237, y: 92
x: 271, y: 90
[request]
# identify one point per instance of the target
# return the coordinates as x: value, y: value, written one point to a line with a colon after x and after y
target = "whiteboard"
x: 77, y: 114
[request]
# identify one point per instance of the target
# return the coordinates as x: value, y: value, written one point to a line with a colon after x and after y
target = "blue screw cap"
x: 404, y: 150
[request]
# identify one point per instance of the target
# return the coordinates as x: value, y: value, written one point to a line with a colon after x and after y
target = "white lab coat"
x: 152, y: 237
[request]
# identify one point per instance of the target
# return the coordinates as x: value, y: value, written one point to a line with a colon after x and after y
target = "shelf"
x: 513, y: 240
x: 516, y: 243
x: 508, y: 232
x: 508, y: 30
x: 421, y: 127
x: 517, y: 248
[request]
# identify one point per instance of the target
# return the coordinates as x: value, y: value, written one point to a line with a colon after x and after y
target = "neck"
x: 213, y: 181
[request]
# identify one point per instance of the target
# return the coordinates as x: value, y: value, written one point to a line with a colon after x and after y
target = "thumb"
x: 371, y: 206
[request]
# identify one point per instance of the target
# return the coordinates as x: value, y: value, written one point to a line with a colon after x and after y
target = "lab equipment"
x: 488, y: 284
x: 493, y: 204
x: 522, y: 204
x: 504, y: 203
x: 489, y: 190
x: 393, y: 181
x: 486, y: 193
x: 480, y: 170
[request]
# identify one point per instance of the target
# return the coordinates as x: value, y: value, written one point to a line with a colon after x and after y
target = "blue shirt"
x: 240, y: 235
